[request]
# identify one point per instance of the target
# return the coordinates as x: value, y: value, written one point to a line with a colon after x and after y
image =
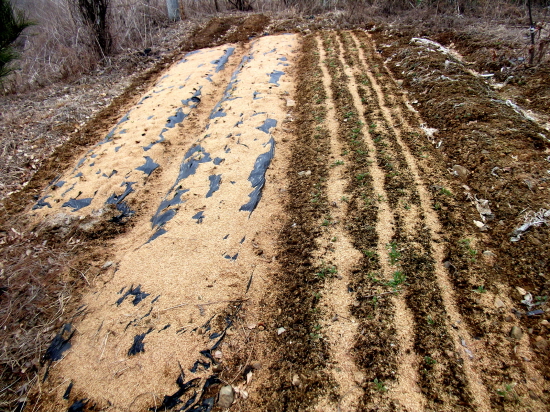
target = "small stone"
x: 460, y: 171
x: 218, y: 354
x: 107, y: 265
x: 252, y: 326
x: 509, y: 318
x: 296, y: 380
x: 499, y: 303
x: 239, y: 391
x: 226, y: 397
x: 256, y: 365
x: 290, y: 103
x: 400, y: 83
x: 479, y: 224
x: 521, y: 291
x: 488, y: 253
x: 280, y: 331
x: 544, y: 322
x: 542, y: 343
x: 516, y: 333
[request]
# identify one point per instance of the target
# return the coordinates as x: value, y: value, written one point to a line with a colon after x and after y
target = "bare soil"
x: 382, y: 268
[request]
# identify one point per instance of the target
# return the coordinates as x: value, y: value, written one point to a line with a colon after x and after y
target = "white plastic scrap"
x: 519, y: 110
x: 482, y: 207
x: 434, y: 45
x: 429, y: 131
x: 443, y: 77
x: 531, y: 219
x: 528, y: 301
x: 468, y: 351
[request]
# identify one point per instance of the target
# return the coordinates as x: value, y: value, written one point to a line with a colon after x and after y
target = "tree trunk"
x: 173, y: 10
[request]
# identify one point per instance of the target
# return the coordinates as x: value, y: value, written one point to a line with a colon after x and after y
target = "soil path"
x: 293, y: 232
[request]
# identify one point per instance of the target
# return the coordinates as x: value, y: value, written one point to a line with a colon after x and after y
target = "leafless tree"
x: 241, y: 5
x: 93, y: 16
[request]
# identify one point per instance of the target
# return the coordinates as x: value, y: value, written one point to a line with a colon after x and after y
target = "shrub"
x: 13, y: 23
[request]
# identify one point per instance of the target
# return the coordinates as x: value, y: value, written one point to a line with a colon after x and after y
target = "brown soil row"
x: 297, y: 379
x: 340, y: 258
x: 376, y: 346
x: 469, y: 268
x: 433, y: 343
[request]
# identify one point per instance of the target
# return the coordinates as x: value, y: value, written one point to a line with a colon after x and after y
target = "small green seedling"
x: 369, y: 253
x: 326, y: 271
x: 379, y: 385
x: 507, y: 392
x: 465, y: 243
x: 394, y: 254
x: 398, y: 279
x: 429, y: 360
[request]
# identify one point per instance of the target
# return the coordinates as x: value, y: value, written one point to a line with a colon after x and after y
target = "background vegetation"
x: 74, y: 36
x: 12, y: 23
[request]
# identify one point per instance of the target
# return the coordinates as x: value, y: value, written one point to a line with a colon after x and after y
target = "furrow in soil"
x: 297, y: 376
x: 406, y: 392
x: 480, y: 319
x: 429, y: 240
x: 339, y: 259
x: 370, y: 189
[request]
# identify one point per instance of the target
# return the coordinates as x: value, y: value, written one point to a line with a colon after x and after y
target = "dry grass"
x: 33, y: 299
x: 56, y: 48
